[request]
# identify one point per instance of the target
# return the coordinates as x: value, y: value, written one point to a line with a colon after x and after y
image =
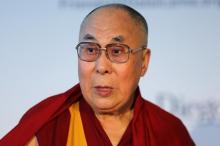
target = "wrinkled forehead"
x: 109, y: 23
x: 107, y: 16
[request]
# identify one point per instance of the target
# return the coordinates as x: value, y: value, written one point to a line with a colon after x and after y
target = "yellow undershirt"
x: 76, y: 136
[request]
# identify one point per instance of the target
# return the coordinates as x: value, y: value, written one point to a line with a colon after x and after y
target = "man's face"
x: 109, y: 87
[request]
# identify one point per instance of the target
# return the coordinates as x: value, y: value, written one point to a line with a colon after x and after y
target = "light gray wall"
x: 38, y: 59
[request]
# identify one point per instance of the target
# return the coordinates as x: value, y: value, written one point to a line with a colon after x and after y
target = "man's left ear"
x: 145, y: 60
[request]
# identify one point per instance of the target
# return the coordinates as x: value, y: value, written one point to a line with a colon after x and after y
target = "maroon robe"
x: 49, y: 121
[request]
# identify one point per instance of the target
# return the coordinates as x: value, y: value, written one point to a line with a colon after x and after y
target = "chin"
x: 105, y: 111
x: 102, y: 104
x: 105, y: 108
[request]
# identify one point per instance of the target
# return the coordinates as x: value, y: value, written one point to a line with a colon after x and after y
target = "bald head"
x: 112, y: 9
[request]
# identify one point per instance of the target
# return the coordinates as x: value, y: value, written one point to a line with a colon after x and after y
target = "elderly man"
x: 105, y: 108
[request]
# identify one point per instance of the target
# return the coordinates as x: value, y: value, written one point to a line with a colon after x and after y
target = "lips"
x: 104, y: 91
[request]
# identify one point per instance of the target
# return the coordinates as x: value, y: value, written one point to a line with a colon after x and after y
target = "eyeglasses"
x: 117, y: 53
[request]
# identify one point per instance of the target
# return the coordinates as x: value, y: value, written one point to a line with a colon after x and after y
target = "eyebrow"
x: 118, y: 39
x: 89, y: 37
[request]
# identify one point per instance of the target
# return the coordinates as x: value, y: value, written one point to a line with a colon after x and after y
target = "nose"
x: 103, y: 64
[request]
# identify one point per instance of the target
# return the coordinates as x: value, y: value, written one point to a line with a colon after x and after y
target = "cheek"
x: 131, y: 70
x: 84, y: 70
x: 128, y: 77
x: 85, y: 75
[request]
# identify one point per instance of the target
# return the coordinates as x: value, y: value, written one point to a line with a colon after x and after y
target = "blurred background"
x: 38, y: 58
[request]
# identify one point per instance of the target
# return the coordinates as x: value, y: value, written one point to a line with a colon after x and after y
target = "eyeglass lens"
x: 118, y: 53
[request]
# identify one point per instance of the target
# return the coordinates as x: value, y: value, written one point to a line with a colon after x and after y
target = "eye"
x: 117, y: 50
x: 91, y: 50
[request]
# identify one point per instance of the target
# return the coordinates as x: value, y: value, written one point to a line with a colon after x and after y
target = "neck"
x: 115, y: 125
x: 120, y: 117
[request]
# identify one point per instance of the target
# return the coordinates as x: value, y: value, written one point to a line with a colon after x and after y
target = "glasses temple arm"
x: 137, y: 49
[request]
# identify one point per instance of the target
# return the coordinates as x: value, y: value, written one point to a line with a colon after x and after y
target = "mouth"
x: 103, y: 91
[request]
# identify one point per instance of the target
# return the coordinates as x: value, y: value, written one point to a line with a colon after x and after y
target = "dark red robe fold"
x: 49, y: 121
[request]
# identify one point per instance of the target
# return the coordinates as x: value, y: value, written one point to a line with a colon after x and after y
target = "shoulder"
x: 157, y: 112
x: 165, y: 124
x: 50, y: 104
x: 161, y: 116
x: 40, y: 106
